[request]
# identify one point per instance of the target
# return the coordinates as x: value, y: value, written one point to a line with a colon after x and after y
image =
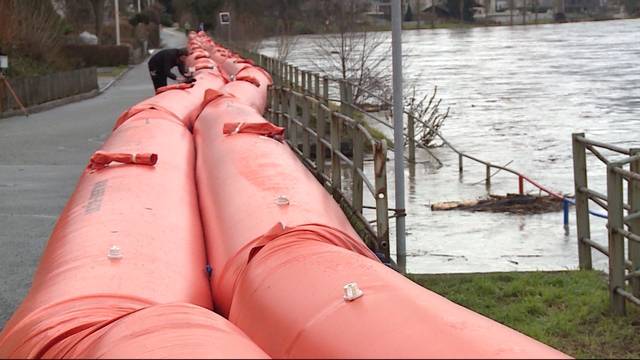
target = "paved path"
x: 41, y: 159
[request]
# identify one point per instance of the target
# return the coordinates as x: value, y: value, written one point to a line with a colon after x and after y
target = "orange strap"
x: 180, y: 86
x: 200, y: 54
x: 264, y: 128
x: 100, y: 159
x: 245, y: 61
x: 205, y: 66
x: 250, y: 79
x: 212, y: 95
x: 140, y: 108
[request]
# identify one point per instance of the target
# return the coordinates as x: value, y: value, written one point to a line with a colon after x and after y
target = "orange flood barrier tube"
x: 124, y: 272
x: 291, y: 272
x: 181, y: 102
x: 173, y: 331
x: 118, y: 246
x: 240, y: 170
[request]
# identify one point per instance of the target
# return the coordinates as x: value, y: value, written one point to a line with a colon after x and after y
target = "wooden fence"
x: 37, y: 90
x: 318, y: 133
x: 624, y: 256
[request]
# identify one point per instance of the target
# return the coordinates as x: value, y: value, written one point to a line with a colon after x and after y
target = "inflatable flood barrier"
x: 285, y: 258
x: 124, y: 272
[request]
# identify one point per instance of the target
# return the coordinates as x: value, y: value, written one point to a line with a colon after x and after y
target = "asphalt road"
x: 41, y: 158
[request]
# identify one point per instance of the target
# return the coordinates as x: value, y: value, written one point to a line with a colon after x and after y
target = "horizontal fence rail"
x: 339, y: 95
x: 317, y: 134
x: 624, y: 272
x: 323, y: 88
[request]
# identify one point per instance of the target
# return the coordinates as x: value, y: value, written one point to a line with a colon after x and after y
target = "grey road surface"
x: 41, y: 159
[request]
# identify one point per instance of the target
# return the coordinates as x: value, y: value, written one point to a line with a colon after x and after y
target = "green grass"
x: 566, y: 310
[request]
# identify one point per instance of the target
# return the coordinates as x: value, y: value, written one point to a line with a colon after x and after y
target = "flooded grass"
x: 567, y: 310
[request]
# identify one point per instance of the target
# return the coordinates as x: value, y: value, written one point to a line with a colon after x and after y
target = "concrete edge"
x: 122, y: 74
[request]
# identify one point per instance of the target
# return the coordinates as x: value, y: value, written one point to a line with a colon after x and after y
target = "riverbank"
x: 568, y: 310
x: 456, y: 24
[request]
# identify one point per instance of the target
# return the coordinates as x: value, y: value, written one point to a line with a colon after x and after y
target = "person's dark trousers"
x: 158, y: 80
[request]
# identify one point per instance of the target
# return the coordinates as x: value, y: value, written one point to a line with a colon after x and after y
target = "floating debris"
x: 511, y: 203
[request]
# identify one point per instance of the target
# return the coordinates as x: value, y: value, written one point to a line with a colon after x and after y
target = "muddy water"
x: 516, y: 95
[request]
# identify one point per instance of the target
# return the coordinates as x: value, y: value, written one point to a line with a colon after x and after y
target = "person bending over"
x: 163, y: 61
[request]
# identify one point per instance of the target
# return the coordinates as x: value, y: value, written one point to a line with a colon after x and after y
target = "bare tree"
x: 98, y: 14
x: 284, y: 44
x: 427, y: 114
x: 348, y: 51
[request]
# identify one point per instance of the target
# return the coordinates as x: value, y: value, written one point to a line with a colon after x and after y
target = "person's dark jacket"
x: 164, y: 60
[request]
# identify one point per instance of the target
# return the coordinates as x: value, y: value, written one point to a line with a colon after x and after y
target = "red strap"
x: 100, y: 159
x: 210, y: 96
x: 250, y: 79
x: 180, y: 86
x: 205, y: 66
x: 200, y: 54
x: 263, y: 128
x: 245, y: 61
x: 140, y: 108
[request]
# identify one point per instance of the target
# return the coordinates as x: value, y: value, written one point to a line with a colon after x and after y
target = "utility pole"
x: 398, y: 129
x: 117, y: 15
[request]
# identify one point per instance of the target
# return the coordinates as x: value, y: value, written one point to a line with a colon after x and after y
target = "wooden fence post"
x: 269, y: 112
x: 325, y: 90
x: 306, y: 116
x: 336, y: 173
x: 321, y: 121
x: 293, y: 114
x: 304, y: 82
x: 634, y: 225
x: 487, y: 177
x: 616, y: 239
x: 411, y: 129
x: 582, y: 201
x: 316, y: 92
x: 358, y: 164
x: 382, y: 205
x: 343, y: 96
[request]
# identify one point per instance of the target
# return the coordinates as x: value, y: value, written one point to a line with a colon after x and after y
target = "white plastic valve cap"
x: 352, y: 291
x: 115, y: 253
x: 282, y: 200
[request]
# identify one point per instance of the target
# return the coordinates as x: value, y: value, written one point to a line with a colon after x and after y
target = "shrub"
x: 139, y: 18
x: 31, y: 32
x: 166, y: 20
x: 99, y: 55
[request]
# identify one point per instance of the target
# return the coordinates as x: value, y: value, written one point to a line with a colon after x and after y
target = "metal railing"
x: 621, y: 270
x: 312, y: 125
x: 321, y: 87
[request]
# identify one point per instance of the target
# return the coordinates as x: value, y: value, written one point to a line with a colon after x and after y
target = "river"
x: 516, y: 95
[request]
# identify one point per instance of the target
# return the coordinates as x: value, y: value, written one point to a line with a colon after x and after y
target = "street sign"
x: 4, y: 62
x: 225, y: 18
